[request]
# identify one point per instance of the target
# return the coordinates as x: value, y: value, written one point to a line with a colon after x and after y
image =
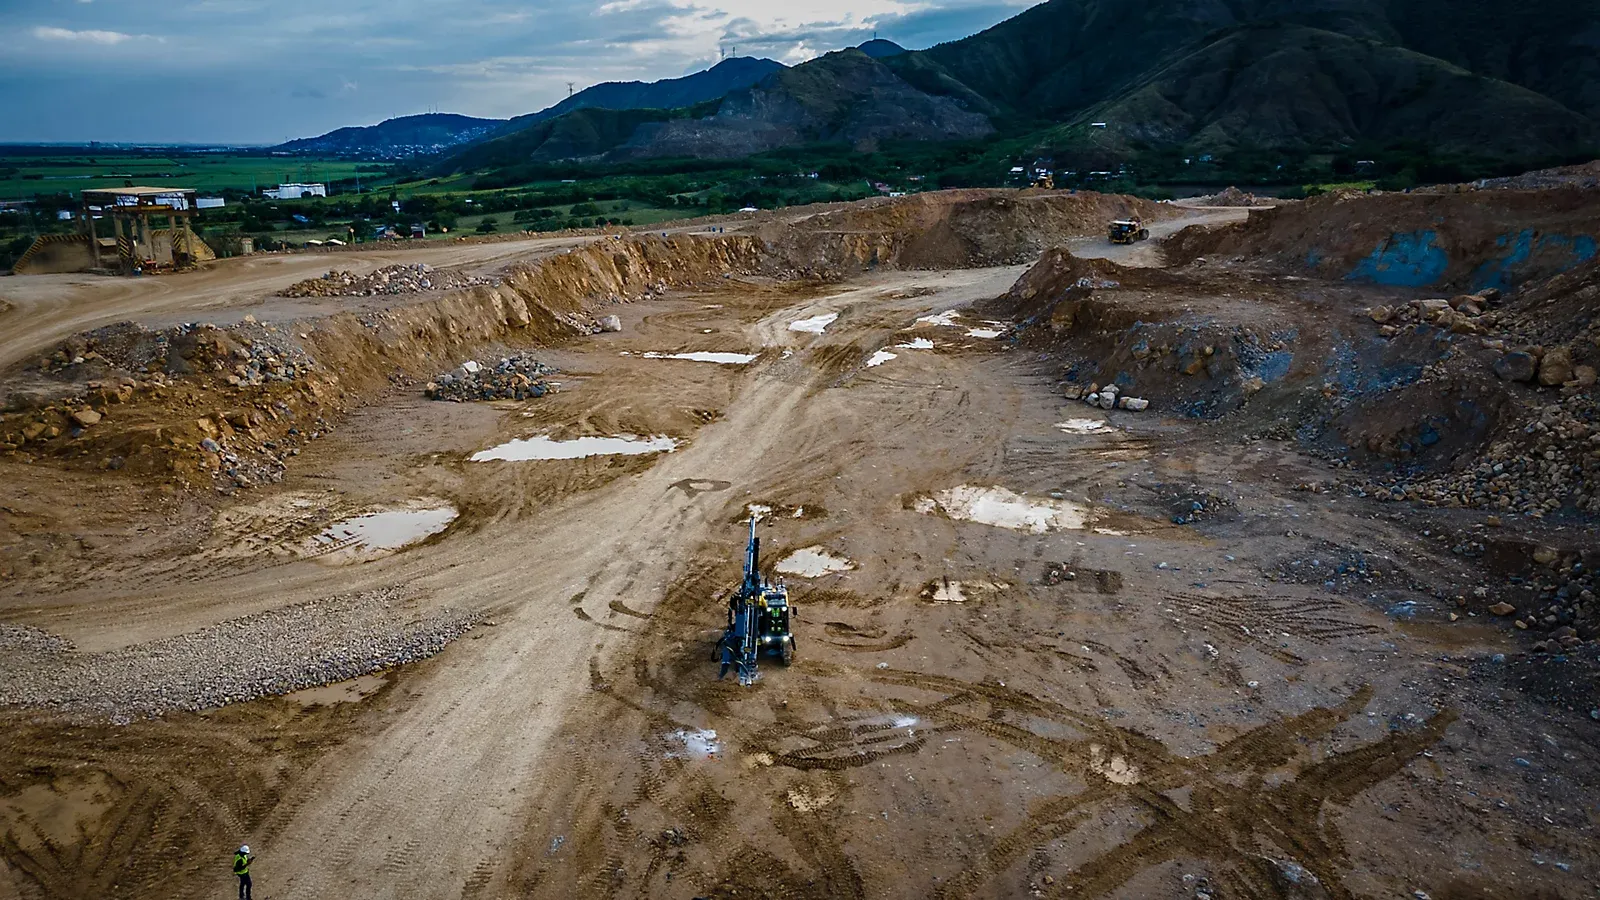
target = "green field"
x: 22, y: 177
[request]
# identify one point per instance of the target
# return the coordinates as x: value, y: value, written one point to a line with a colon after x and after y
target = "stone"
x: 1432, y: 308
x: 1556, y: 367
x: 1133, y: 404
x: 1108, y: 400
x: 1516, y: 366
x: 1381, y: 314
x: 611, y: 323
x: 1502, y: 609
x: 1585, y: 376
x: 86, y: 417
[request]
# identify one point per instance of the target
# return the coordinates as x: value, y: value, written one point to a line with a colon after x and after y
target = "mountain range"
x: 1511, y: 80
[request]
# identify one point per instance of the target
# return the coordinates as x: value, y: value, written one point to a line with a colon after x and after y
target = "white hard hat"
x: 245, y: 849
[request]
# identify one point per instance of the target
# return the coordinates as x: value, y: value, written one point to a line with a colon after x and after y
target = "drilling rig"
x: 758, y: 619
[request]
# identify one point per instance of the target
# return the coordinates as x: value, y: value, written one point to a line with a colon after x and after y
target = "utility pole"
x: 570, y: 86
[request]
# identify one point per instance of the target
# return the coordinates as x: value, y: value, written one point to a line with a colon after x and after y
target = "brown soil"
x: 1280, y: 698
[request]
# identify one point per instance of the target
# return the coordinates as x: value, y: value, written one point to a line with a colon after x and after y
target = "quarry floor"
x: 1133, y: 708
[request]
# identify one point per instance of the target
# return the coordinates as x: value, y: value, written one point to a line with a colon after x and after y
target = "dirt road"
x: 1066, y: 652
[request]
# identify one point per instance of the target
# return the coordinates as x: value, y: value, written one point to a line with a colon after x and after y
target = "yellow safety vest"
x: 241, y: 864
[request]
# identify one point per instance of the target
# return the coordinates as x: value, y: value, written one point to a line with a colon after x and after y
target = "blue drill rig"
x: 758, y: 619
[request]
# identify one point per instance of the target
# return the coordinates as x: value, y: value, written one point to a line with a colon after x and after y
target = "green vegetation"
x: 26, y: 175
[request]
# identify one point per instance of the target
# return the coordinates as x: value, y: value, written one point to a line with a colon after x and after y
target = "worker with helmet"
x: 241, y: 868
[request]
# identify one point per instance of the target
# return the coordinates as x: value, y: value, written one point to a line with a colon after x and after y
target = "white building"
x: 209, y: 203
x: 295, y: 191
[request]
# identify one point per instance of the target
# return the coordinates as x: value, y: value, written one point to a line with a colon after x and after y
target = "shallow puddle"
x: 1085, y: 426
x: 815, y: 324
x: 944, y: 318
x: 813, y: 562
x: 985, y: 333
x: 382, y: 532
x: 697, y: 744
x: 543, y: 447
x: 1004, y: 509
x: 915, y: 344
x: 879, y: 358
x: 725, y: 359
x: 350, y: 691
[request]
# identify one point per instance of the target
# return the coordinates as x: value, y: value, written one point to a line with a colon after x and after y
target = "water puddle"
x: 813, y: 562
x: 815, y: 324
x: 879, y: 358
x: 944, y: 318
x: 985, y: 333
x: 724, y: 359
x: 543, y: 447
x: 915, y: 344
x: 945, y: 590
x: 1113, y: 767
x: 351, y: 691
x: 380, y: 533
x: 1086, y: 426
x: 1003, y: 509
x: 697, y: 744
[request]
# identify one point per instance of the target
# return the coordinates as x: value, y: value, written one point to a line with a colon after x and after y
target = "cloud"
x: 48, y: 33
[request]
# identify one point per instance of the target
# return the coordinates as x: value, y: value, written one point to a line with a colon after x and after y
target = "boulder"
x: 1133, y: 404
x: 611, y: 323
x: 86, y: 417
x: 1516, y: 366
x: 1584, y: 375
x: 1381, y: 314
x: 1502, y: 609
x: 1556, y: 367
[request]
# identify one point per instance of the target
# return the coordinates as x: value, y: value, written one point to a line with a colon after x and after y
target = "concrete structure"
x: 210, y: 203
x: 295, y: 191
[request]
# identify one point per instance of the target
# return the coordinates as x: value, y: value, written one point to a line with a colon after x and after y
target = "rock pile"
x: 1108, y: 397
x: 398, y: 279
x: 1562, y: 603
x: 512, y: 378
x: 1232, y: 196
x: 1552, y: 464
x: 1458, y: 314
x: 275, y: 652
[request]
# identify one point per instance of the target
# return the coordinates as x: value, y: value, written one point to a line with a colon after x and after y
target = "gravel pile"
x: 398, y: 279
x: 276, y: 652
x: 512, y: 378
x: 1232, y: 196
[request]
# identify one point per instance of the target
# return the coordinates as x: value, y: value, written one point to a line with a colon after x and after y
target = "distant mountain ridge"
x: 669, y: 93
x: 404, y: 136
x: 1471, y: 76
x: 436, y: 132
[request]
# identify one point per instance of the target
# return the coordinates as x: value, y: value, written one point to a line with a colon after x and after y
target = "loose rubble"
x: 398, y: 279
x: 275, y: 652
x: 517, y: 377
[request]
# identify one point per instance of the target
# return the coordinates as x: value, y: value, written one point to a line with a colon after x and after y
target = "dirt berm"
x: 1460, y: 241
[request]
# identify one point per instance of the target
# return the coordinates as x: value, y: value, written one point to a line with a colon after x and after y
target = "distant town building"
x: 209, y: 203
x: 295, y: 191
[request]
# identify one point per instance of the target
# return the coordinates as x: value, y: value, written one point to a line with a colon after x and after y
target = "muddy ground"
x: 1279, y: 697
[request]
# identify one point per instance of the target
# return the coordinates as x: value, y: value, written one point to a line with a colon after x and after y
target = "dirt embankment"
x: 236, y: 402
x: 951, y: 229
x: 1484, y: 400
x: 1498, y: 239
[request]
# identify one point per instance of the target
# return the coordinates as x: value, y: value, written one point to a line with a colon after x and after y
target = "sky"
x: 260, y: 72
